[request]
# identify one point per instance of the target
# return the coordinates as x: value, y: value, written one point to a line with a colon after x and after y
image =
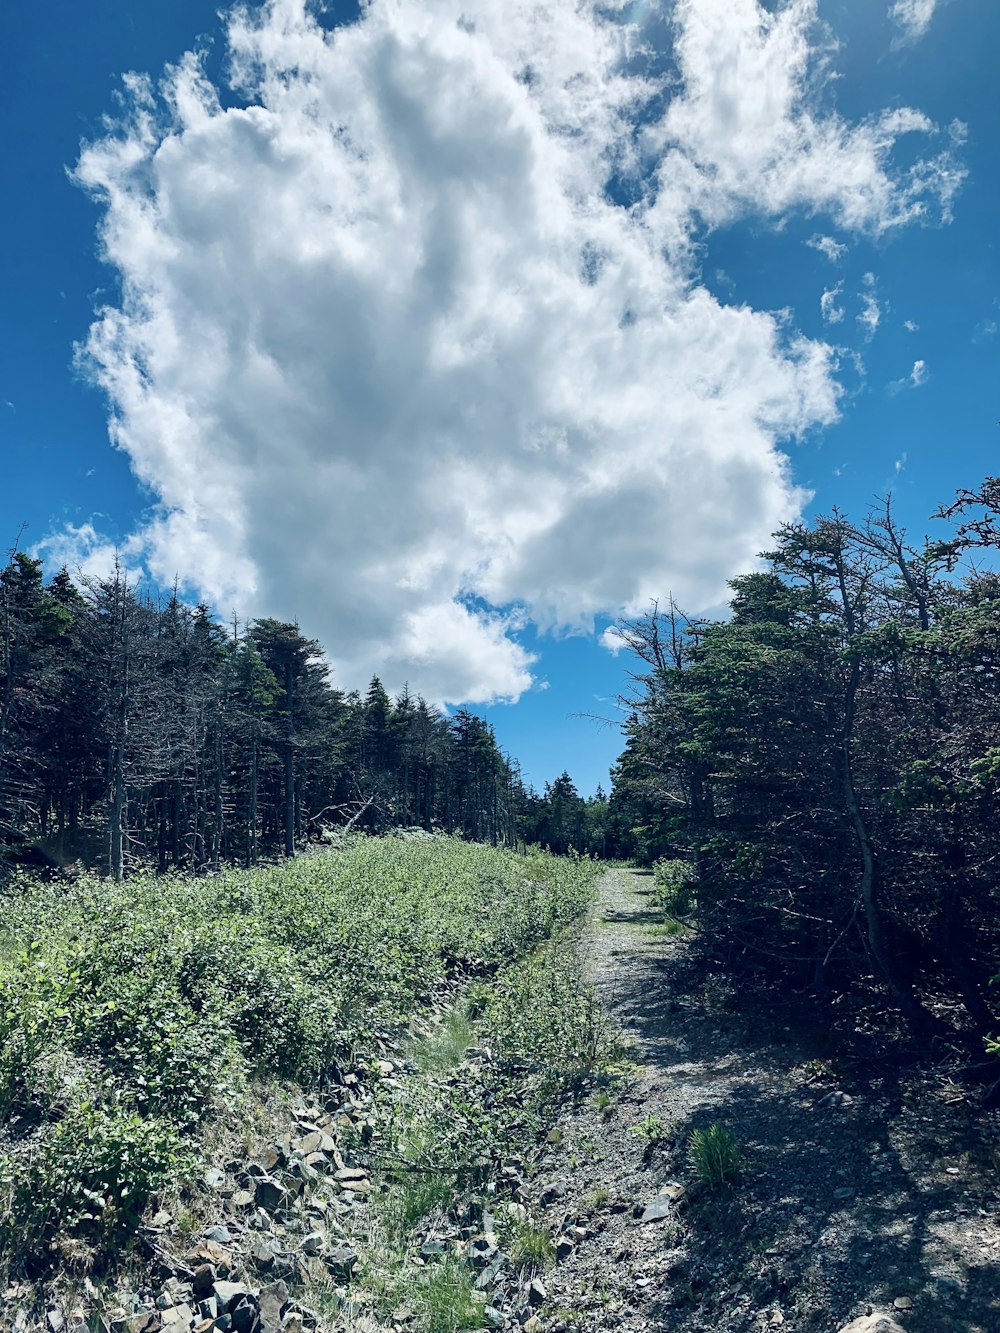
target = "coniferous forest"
x: 825, y: 759
x: 143, y: 733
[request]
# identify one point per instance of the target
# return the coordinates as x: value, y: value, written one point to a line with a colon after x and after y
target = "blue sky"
x: 387, y: 351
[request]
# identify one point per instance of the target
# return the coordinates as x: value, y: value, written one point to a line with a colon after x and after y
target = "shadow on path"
x: 850, y: 1194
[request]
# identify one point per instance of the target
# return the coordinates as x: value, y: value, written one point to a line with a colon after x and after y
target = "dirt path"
x: 859, y: 1190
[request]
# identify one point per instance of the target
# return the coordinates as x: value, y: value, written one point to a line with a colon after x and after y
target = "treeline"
x: 827, y: 760
x: 564, y: 821
x: 137, y: 731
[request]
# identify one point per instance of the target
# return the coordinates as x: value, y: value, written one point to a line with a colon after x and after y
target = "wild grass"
x: 444, y: 1048
x: 531, y: 1247
x: 445, y: 1300
x: 715, y: 1156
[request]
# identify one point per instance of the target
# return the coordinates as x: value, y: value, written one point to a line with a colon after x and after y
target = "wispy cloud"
x: 917, y: 376
x: 912, y: 18
x: 870, y: 315
x: 828, y: 247
x: 832, y: 312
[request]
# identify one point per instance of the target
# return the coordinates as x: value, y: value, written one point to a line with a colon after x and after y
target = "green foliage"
x: 674, y: 882
x: 827, y: 757
x: 530, y: 1246
x: 91, y: 1176
x: 129, y: 1014
x: 543, y: 1019
x: 445, y: 1299
x: 715, y: 1156
x: 651, y: 1129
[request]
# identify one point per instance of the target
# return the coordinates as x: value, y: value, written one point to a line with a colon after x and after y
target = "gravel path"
x: 861, y: 1189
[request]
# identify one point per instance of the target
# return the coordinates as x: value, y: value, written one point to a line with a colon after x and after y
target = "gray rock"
x: 836, y: 1098
x: 203, y: 1280
x: 270, y: 1313
x: 665, y: 1204
x: 245, y: 1317
x: 351, y: 1176
x: 230, y: 1294
x: 341, y: 1261
x: 178, y: 1317
x: 493, y: 1317
x: 302, y: 1171
x: 481, y: 1252
x: 872, y: 1323
x: 220, y: 1234
x: 271, y: 1195
x: 313, y: 1242
x: 552, y: 1193
x: 488, y: 1277
x: 275, y: 1154
x: 263, y: 1253
x: 537, y: 1294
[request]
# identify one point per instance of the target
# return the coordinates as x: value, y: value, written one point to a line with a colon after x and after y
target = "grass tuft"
x: 715, y: 1156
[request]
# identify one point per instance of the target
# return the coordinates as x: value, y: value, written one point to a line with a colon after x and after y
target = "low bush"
x: 674, y: 881
x: 130, y: 1014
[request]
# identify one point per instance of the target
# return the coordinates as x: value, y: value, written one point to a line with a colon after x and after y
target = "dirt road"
x: 860, y: 1188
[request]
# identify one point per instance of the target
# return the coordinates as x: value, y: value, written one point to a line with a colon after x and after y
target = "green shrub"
x: 89, y: 1175
x: 674, y: 881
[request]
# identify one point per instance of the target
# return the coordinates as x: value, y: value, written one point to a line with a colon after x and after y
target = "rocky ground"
x: 861, y: 1189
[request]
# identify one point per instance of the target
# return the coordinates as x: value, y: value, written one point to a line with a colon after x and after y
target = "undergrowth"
x: 443, y: 1135
x: 131, y: 1016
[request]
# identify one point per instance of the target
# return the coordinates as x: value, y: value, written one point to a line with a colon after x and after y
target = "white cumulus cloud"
x: 751, y: 130
x: 398, y: 357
